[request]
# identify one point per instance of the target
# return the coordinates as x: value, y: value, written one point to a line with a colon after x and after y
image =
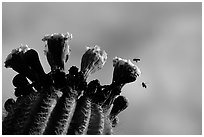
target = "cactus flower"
x: 57, y: 49
x: 15, y: 59
x: 93, y: 60
x: 124, y: 71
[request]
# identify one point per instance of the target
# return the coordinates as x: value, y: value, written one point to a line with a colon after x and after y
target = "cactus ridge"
x: 57, y: 103
x: 41, y: 111
x: 25, y: 112
x: 96, y: 123
x: 81, y: 117
x: 21, y: 113
x: 61, y: 115
x: 7, y: 124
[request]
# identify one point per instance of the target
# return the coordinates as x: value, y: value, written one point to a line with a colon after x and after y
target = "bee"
x: 136, y: 60
x: 144, y: 85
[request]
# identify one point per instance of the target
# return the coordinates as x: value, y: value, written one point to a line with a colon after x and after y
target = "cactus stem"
x: 25, y: 112
x: 20, y: 114
x: 41, y: 111
x: 7, y: 124
x: 62, y: 114
x: 108, y: 130
x: 80, y: 120
x: 96, y: 123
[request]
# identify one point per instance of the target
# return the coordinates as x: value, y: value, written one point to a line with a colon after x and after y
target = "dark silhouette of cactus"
x: 60, y: 103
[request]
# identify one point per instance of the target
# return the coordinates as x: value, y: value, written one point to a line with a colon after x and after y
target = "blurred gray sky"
x: 166, y: 36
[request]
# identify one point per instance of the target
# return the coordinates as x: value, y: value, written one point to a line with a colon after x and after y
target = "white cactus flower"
x: 93, y: 60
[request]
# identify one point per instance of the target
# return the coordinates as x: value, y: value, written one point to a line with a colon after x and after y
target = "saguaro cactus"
x: 60, y: 103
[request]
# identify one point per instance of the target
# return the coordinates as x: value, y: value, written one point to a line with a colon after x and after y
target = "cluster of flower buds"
x: 100, y: 99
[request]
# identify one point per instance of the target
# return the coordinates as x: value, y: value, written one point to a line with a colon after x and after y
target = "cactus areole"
x: 64, y: 103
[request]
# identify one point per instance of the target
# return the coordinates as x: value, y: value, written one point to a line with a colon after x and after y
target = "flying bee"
x: 136, y: 60
x: 144, y: 85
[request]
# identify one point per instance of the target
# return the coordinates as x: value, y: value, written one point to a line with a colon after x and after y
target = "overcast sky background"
x: 165, y: 36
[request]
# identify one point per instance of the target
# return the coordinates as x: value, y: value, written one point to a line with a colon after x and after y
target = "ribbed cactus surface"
x: 57, y: 103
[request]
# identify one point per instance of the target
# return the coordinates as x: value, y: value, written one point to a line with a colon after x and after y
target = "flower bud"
x: 57, y: 49
x: 92, y: 87
x: 20, y: 80
x: 102, y: 94
x: 75, y: 79
x: 73, y: 70
x: 124, y: 71
x: 92, y: 60
x: 59, y: 79
x: 115, y: 121
x: 113, y: 92
x: 119, y: 104
x: 8, y: 105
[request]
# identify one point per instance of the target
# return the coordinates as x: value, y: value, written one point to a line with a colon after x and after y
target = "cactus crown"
x: 60, y: 103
